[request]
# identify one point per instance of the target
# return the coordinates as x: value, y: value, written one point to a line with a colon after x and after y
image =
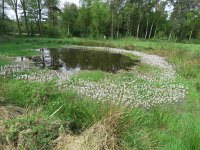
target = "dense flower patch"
x: 132, y: 89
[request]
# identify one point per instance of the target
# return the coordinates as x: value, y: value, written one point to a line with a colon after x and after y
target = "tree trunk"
x: 39, y: 26
x: 138, y: 29
x: 170, y: 35
x: 40, y: 16
x: 191, y: 34
x: 112, y: 25
x: 155, y: 31
x: 147, y: 29
x: 128, y: 27
x: 18, y: 25
x: 32, y: 32
x: 150, y: 31
x: 39, y: 22
x: 118, y: 30
x: 25, y: 17
x: 26, y: 22
x: 181, y: 34
x: 3, y: 7
x: 68, y: 29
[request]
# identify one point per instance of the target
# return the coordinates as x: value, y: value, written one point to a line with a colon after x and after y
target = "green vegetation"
x: 173, y: 20
x: 4, y: 62
x: 91, y: 76
x: 159, y: 46
x: 50, y: 113
x: 53, y: 114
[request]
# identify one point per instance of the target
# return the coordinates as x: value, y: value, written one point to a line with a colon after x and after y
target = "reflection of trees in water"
x: 43, y: 60
x: 85, y: 60
x: 55, y: 56
x: 91, y: 60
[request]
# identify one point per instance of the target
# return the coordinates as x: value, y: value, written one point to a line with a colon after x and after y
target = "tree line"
x: 163, y: 19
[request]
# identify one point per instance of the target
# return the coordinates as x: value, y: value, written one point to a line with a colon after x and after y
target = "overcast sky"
x: 11, y: 13
x: 71, y: 1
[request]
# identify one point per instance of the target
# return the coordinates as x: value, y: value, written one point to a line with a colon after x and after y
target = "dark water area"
x: 65, y: 59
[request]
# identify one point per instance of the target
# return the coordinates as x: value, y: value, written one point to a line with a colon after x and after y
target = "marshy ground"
x: 153, y: 105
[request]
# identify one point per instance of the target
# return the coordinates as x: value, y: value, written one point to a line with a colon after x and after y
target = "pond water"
x: 69, y: 59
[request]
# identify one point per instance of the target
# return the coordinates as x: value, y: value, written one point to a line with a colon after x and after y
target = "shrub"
x: 53, y: 31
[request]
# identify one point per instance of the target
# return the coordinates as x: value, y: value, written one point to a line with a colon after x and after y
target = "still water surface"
x: 69, y: 59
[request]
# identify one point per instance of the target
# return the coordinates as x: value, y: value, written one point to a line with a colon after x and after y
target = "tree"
x: 115, y: 7
x: 183, y: 16
x: 139, y: 13
x: 53, y: 11
x: 99, y: 18
x: 40, y: 7
x: 128, y: 14
x: 114, y: 18
x: 69, y: 16
x: 3, y: 10
x: 35, y: 10
x: 84, y: 18
x: 14, y: 6
x: 24, y: 8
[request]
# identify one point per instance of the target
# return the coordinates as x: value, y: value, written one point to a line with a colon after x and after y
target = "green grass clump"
x: 33, y: 131
x: 4, y: 61
x: 25, y: 94
x: 80, y: 111
x: 90, y: 76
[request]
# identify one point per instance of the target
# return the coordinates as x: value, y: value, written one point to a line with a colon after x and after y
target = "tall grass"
x: 170, y: 127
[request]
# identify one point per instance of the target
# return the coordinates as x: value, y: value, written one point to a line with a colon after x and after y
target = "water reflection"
x: 74, y: 60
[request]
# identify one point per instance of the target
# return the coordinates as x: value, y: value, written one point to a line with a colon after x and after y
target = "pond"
x: 69, y: 59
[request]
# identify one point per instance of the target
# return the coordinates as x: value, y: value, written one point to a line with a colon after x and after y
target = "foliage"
x: 3, y: 27
x: 99, y: 18
x: 176, y: 20
x: 69, y: 17
x: 53, y: 31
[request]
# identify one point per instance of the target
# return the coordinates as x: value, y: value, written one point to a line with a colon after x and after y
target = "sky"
x: 11, y: 13
x: 71, y: 1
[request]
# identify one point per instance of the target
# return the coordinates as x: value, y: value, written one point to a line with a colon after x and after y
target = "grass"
x: 90, y: 76
x: 169, y: 127
x: 4, y: 62
x: 35, y: 131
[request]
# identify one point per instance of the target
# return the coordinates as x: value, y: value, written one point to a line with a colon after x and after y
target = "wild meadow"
x: 143, y: 108
x: 99, y: 74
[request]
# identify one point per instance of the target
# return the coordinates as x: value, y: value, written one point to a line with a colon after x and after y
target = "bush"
x: 53, y: 31
x: 2, y: 27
